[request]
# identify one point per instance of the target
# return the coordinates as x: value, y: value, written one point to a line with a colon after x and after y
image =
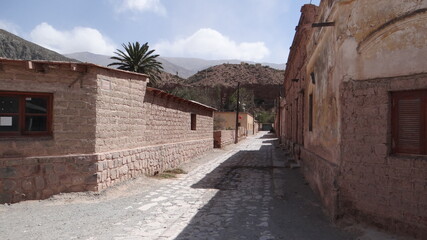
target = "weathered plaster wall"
x: 372, y: 44
x: 357, y: 63
x: 73, y: 109
x: 293, y: 119
x: 227, y: 120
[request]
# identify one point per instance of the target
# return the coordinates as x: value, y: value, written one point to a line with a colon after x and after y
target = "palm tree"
x: 137, y: 58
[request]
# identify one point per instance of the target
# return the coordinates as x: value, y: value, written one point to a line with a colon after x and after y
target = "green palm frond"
x: 138, y: 58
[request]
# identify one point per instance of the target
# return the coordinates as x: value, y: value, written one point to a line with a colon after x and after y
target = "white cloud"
x: 210, y: 44
x: 143, y: 5
x: 79, y: 39
x: 8, y: 26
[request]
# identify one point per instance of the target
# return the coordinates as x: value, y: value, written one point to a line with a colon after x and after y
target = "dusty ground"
x: 242, y: 192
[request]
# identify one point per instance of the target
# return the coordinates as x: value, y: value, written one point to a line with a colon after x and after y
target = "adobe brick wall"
x: 121, y: 120
x: 169, y: 121
x: 106, y: 130
x: 376, y: 186
x: 73, y: 110
x: 223, y: 138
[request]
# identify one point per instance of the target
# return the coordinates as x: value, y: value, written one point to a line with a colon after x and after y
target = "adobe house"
x: 354, y: 114
x: 68, y: 127
x: 225, y: 125
x: 227, y: 120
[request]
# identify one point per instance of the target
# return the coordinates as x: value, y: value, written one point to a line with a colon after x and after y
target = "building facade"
x: 68, y: 127
x: 357, y: 122
x: 227, y: 120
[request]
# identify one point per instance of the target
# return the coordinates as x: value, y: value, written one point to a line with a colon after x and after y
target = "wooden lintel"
x: 323, y: 24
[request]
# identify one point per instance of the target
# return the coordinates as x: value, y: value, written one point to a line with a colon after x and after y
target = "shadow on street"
x: 260, y: 200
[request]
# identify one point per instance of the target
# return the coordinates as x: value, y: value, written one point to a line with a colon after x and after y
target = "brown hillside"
x: 228, y: 75
x: 14, y: 47
x: 263, y: 81
x: 169, y: 81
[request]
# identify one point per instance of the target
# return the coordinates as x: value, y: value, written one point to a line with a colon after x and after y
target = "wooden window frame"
x: 396, y: 147
x: 193, y: 121
x: 22, y: 114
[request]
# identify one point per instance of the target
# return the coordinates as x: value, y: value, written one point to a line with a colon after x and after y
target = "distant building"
x: 68, y: 127
x: 227, y: 121
x: 354, y: 112
x: 225, y: 125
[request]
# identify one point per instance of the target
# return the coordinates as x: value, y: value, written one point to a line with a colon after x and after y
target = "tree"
x: 137, y: 58
x: 247, y: 102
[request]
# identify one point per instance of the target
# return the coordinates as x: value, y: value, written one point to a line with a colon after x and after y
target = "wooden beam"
x: 323, y: 24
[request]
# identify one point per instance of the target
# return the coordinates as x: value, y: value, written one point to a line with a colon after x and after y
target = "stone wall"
x: 375, y: 185
x: 41, y: 177
x: 114, y: 167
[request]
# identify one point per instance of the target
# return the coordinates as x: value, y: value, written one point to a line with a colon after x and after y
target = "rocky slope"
x: 14, y: 47
x: 229, y: 75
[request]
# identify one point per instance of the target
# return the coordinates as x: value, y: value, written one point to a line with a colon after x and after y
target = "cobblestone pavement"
x: 240, y: 193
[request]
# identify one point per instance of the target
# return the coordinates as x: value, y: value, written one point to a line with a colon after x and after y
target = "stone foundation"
x: 118, y: 166
x: 41, y: 177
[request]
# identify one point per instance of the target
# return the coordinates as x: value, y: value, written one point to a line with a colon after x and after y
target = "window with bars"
x: 409, y: 122
x: 25, y: 114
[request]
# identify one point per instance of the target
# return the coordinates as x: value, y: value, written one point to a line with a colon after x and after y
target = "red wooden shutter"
x: 409, y: 120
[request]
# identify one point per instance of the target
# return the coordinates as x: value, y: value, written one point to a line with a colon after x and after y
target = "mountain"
x: 212, y: 82
x: 14, y: 47
x: 263, y: 81
x: 197, y: 64
x: 203, y: 80
x: 231, y: 74
x: 104, y: 60
x: 183, y: 67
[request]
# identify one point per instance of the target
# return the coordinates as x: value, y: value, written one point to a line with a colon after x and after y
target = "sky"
x: 250, y: 30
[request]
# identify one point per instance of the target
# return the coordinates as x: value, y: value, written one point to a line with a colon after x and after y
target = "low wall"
x: 223, y: 138
x: 41, y: 177
x: 118, y: 166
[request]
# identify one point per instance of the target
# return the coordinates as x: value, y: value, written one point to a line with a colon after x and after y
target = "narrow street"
x: 242, y: 192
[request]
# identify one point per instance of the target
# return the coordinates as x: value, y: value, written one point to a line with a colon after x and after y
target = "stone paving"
x: 240, y: 193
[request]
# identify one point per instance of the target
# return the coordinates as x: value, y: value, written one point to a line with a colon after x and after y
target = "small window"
x: 313, y: 78
x: 310, y: 112
x: 409, y: 122
x: 193, y: 121
x: 25, y: 113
